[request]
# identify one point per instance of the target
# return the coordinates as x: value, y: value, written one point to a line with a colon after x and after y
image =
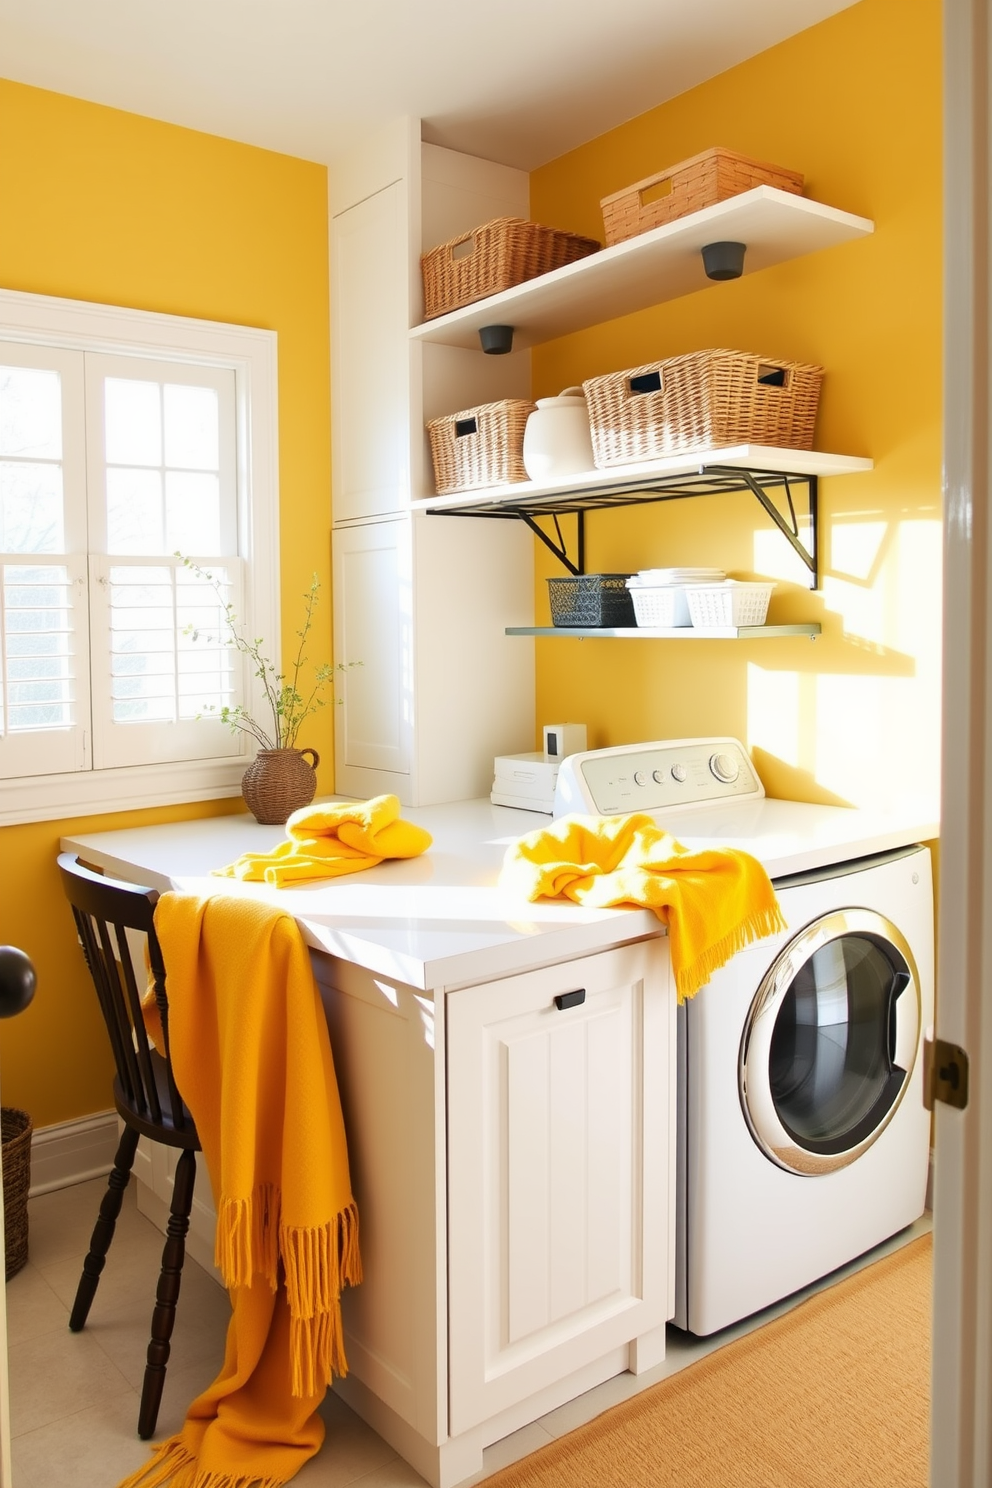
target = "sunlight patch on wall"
x: 884, y: 583
x: 775, y: 557
x: 875, y: 748
x: 773, y: 713
x: 855, y: 548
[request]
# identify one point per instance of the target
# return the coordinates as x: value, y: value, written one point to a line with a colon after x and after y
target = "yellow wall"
x: 105, y: 206
x: 855, y: 104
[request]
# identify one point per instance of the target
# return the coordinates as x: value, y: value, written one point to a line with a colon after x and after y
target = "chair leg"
x: 170, y: 1280
x: 103, y: 1230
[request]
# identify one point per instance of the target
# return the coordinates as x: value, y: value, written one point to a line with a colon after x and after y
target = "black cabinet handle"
x: 570, y: 999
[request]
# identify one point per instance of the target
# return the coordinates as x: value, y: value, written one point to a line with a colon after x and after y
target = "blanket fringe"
x: 317, y: 1263
x: 690, y: 979
x: 172, y: 1463
x: 247, y: 1242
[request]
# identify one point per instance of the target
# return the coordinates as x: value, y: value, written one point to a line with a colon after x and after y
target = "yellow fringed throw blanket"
x: 252, y: 1058
x: 713, y: 902
x: 339, y: 837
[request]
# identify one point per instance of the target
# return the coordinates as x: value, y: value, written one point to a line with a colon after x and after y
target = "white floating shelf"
x: 653, y: 267
x: 676, y: 633
x: 632, y: 479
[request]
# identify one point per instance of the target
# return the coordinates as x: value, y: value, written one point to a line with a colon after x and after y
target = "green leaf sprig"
x: 286, y: 703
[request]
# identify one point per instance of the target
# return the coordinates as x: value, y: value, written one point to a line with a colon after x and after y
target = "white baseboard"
x: 73, y: 1151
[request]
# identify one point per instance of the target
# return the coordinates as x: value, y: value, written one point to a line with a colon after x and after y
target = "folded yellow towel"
x: 252, y: 1057
x: 328, y: 840
x: 713, y: 902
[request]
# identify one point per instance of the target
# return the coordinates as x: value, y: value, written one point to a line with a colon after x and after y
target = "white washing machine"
x: 802, y: 1136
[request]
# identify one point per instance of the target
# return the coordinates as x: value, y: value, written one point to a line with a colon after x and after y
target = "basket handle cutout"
x: 464, y: 248
x: 645, y: 382
x: 466, y: 426
x: 774, y: 377
x: 657, y: 191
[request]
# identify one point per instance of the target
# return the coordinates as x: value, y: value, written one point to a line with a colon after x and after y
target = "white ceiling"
x: 519, y: 81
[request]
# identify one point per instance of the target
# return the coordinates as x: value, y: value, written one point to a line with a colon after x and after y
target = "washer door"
x: 830, y: 1041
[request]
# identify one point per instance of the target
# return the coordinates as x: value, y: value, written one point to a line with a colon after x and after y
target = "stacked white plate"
x: 659, y: 594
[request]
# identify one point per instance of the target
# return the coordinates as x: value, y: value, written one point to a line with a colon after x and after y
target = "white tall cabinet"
x: 421, y: 603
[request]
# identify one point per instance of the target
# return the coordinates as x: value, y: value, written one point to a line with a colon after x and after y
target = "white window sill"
x: 94, y: 792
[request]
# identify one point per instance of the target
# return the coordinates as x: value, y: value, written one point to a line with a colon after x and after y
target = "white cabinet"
x: 423, y: 604
x: 371, y: 357
x: 513, y: 1167
x: 558, y: 1175
x: 439, y: 689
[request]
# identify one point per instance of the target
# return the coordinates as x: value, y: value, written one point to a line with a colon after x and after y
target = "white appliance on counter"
x: 802, y: 1139
x: 526, y: 781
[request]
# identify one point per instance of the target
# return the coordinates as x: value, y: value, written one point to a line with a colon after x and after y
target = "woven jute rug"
x: 834, y: 1394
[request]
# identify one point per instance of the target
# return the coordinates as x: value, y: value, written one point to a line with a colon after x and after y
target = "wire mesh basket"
x: 598, y: 601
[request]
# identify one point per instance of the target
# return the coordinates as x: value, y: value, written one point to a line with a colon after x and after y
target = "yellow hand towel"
x: 329, y: 840
x: 252, y: 1057
x: 713, y: 902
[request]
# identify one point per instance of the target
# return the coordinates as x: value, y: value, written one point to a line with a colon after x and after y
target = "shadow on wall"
x: 785, y: 782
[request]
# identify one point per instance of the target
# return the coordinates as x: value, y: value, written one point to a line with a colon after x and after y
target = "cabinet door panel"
x: 558, y: 1181
x: 373, y: 627
x: 568, y: 1108
x: 371, y: 357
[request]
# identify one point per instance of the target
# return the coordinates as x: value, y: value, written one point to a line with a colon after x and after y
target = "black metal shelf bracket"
x: 613, y: 490
x: 578, y: 566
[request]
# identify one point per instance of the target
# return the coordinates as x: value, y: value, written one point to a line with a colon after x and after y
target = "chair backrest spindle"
x: 105, y: 909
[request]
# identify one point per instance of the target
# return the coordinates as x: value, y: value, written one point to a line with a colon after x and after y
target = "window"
x: 125, y: 438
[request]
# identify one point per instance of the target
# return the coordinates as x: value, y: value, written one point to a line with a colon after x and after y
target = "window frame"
x: 251, y: 353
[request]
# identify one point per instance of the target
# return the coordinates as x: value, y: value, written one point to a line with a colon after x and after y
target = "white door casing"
x: 961, y: 1449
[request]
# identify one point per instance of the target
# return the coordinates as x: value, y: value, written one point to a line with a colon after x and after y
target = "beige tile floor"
x: 74, y: 1397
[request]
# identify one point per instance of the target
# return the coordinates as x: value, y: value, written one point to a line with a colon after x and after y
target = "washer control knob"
x: 640, y: 778
x: 658, y: 776
x: 679, y: 773
x: 725, y: 768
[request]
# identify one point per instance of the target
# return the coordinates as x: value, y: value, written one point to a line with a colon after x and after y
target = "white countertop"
x: 439, y: 920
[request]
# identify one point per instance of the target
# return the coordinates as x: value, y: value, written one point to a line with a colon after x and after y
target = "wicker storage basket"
x: 702, y: 400
x: 598, y: 600
x: 15, y: 1129
x: 687, y: 187
x: 481, y: 446
x: 492, y: 257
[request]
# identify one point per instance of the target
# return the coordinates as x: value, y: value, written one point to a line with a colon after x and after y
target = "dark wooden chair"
x: 145, y: 1095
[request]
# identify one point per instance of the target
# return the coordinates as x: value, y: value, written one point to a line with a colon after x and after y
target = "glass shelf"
x: 675, y: 633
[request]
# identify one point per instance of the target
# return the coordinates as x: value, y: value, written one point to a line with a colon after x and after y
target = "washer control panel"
x: 671, y: 774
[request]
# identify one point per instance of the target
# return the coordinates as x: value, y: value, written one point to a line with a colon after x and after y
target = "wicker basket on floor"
x: 701, y: 401
x: 687, y: 187
x: 16, y: 1129
x: 481, y: 446
x: 495, y: 256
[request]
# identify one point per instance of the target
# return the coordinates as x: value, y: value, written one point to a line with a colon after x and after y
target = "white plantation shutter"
x: 125, y: 438
x: 43, y: 666
x: 44, y: 673
x: 160, y: 694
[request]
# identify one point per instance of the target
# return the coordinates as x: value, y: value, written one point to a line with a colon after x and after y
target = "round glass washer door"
x: 830, y: 1041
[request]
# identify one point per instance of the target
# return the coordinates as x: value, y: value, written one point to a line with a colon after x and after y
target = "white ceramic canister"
x: 556, y: 439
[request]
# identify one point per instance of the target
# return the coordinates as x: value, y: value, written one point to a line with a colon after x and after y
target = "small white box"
x: 525, y: 780
x: 561, y: 739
